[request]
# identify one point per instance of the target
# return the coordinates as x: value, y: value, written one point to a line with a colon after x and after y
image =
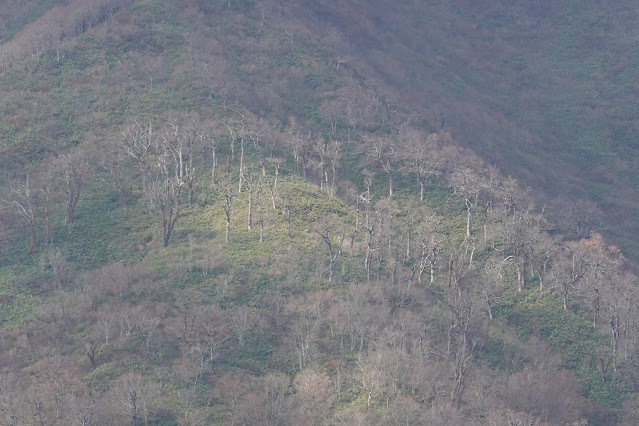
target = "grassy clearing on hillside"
x: 541, y: 315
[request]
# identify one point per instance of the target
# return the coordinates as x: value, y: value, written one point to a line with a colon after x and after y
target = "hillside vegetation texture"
x: 257, y: 212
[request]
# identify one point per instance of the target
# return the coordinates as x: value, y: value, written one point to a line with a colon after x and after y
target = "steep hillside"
x: 544, y: 90
x: 223, y: 213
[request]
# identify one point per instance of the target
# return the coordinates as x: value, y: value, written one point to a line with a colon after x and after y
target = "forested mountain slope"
x: 545, y: 90
x: 224, y: 213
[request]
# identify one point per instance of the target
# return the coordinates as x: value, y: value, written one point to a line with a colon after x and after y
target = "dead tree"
x: 460, y: 297
x: 251, y: 187
x: 228, y: 204
x: 424, y: 156
x: 385, y: 156
x: 334, y: 157
x: 468, y: 184
x: 164, y: 196
x: 20, y: 198
x: 366, y: 198
x: 73, y: 171
x: 260, y: 217
x: 137, y: 142
x: 47, y: 191
x: 190, y: 170
x: 334, y: 247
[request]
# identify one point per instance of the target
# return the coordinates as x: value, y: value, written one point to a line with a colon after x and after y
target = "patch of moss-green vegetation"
x: 582, y: 346
x: 15, y: 303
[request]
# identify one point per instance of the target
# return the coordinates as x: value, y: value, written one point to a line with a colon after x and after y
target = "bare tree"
x: 207, y: 140
x: 368, y: 224
x: 542, y: 255
x: 242, y: 321
x: 302, y: 147
x: 46, y: 192
x: 315, y: 394
x: 383, y: 153
x: 331, y: 226
x: 237, y: 132
x: 321, y: 149
x: 260, y: 216
x: 518, y: 235
x: 424, y: 151
x: 287, y: 213
x: 190, y: 169
x: 461, y: 302
x: 228, y: 204
x: 273, y: 186
x: 545, y: 396
x: 137, y: 143
x: 21, y: 199
x: 580, y: 218
x: 132, y: 393
x: 73, y: 171
x: 334, y: 155
x: 468, y: 184
x: 164, y: 195
x: 429, y: 248
x: 569, y: 271
x: 493, y: 285
x: 252, y: 185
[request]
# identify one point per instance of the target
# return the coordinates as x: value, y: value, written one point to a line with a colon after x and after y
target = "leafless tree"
x: 334, y: 156
x: 73, y: 170
x: 580, y: 217
x: 228, y: 204
x: 302, y: 143
x: 321, y: 150
x: 260, y: 216
x: 164, y: 195
x: 569, y: 271
x: 325, y: 230
x: 132, y: 393
x: 20, y: 197
x: 518, y: 235
x: 384, y: 153
x: 46, y: 192
x: 137, y: 142
x: 242, y: 321
x: 546, y: 396
x: 430, y: 246
x: 424, y: 152
x: 314, y: 394
x: 493, y: 284
x: 461, y: 300
x: 252, y: 185
x: 468, y: 184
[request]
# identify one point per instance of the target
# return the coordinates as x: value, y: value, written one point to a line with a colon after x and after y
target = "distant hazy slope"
x: 546, y: 90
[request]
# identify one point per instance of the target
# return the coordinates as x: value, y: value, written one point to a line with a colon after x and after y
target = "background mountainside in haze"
x: 270, y: 212
x: 545, y: 90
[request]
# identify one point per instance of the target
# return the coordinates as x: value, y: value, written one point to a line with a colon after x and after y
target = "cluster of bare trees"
x: 390, y: 331
x: 159, y: 161
x: 402, y: 336
x: 61, y: 22
x: 164, y: 162
x: 406, y: 352
x: 31, y: 197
